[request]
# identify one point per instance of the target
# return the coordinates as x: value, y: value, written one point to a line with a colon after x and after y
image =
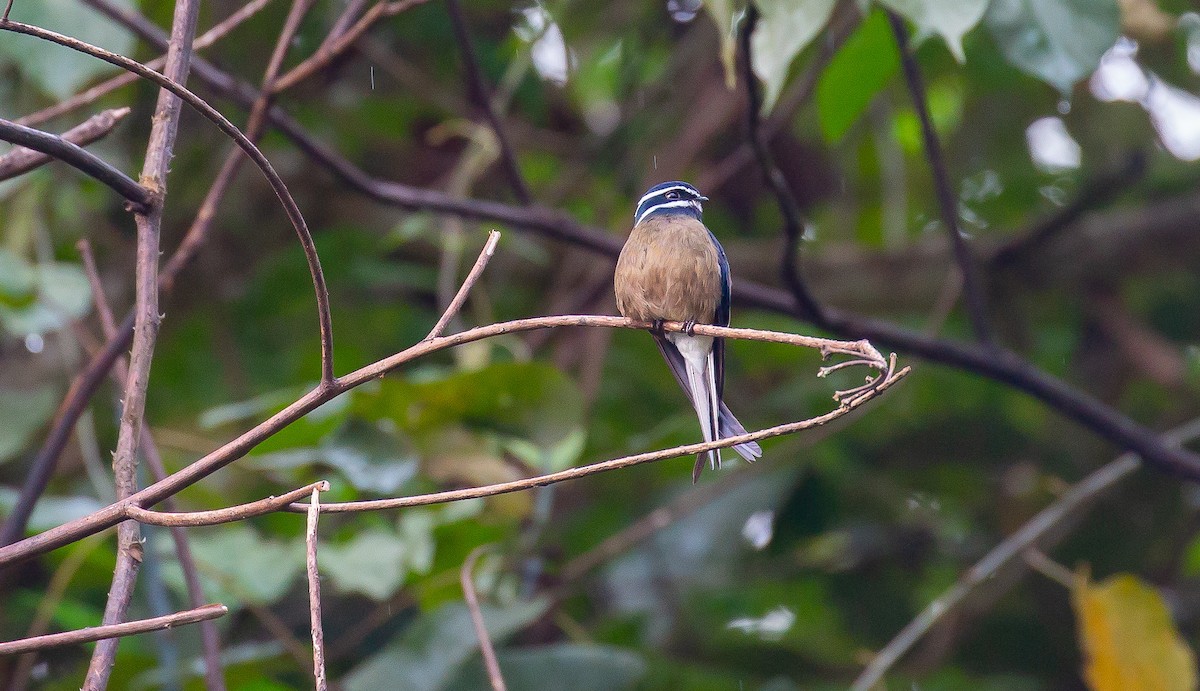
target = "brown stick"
x: 467, y: 579
x: 22, y: 160
x: 473, y: 275
x: 214, y: 679
x: 314, y: 590
x: 111, y: 631
x: 146, y: 321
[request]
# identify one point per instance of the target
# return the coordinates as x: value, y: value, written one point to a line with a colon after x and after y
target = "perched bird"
x: 673, y: 269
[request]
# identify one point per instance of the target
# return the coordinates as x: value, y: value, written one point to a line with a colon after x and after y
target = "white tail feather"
x: 699, y: 364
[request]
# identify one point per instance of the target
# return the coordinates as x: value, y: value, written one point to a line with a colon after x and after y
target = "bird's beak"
x: 703, y: 199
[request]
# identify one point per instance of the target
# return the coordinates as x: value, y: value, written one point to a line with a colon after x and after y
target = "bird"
x: 672, y: 268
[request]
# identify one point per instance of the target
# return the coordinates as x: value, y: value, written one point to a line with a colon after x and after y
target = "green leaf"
x: 726, y: 14
x: 51, y: 511
x: 61, y: 71
x: 950, y: 19
x: 435, y: 646
x: 23, y: 413
x: 373, y: 563
x: 238, y: 565
x: 784, y: 29
x: 1057, y: 41
x: 40, y: 298
x: 589, y: 667
x: 861, y: 68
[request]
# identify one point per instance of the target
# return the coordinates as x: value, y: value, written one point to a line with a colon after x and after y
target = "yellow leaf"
x: 1128, y: 639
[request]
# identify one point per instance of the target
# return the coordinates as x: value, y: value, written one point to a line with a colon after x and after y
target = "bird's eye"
x: 672, y: 195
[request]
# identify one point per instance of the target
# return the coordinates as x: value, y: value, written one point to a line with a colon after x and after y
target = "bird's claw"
x: 656, y: 328
x: 689, y: 327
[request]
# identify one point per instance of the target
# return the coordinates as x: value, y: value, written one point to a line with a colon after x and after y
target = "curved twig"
x: 281, y: 191
x: 467, y: 578
x: 23, y: 160
x: 193, y: 519
x: 489, y: 248
x: 77, y: 157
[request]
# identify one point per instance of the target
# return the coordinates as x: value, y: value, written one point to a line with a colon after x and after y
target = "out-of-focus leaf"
x: 588, y: 667
x: 23, y: 413
x: 860, y: 69
x: 435, y: 646
x: 1128, y: 638
x: 950, y: 19
x: 58, y: 70
x: 783, y: 30
x: 373, y: 563
x: 1057, y: 41
x: 1144, y: 20
x: 239, y: 565
x: 726, y: 14
x: 39, y: 298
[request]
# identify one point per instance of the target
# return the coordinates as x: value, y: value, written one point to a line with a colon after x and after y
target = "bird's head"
x: 670, y: 198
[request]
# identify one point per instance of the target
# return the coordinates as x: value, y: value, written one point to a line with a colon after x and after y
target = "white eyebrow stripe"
x: 667, y: 205
x: 650, y: 195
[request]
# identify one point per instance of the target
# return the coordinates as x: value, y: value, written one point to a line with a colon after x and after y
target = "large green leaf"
x: 435, y: 646
x: 861, y: 68
x: 589, y: 667
x: 1058, y: 41
x: 950, y: 19
x: 23, y: 413
x: 61, y: 71
x: 784, y: 29
x: 237, y: 564
x: 39, y: 298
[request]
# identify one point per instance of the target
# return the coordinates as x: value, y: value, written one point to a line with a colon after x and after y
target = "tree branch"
x: 314, y: 589
x: 467, y: 579
x: 22, y: 160
x: 54, y: 146
x: 479, y: 94
x: 97, y: 633
x: 195, y: 519
x: 489, y: 248
x: 976, y: 301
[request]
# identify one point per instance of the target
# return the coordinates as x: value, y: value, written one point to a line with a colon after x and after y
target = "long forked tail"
x: 691, y: 361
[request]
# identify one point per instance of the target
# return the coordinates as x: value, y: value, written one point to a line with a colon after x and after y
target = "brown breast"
x: 668, y: 270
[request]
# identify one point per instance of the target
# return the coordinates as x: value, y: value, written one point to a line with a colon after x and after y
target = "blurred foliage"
x: 783, y: 575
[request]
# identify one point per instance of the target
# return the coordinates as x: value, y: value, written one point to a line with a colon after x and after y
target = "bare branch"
x: 1038, y: 532
x: 53, y: 146
x: 97, y: 633
x: 314, y: 589
x: 467, y: 579
x: 159, y: 150
x: 479, y: 94
x: 976, y: 300
x: 333, y: 46
x: 231, y: 451
x: 241, y: 512
x: 22, y: 160
x: 489, y: 248
x: 793, y: 228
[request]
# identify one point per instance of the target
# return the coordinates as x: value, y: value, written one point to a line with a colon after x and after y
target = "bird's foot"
x: 656, y: 328
x: 689, y: 327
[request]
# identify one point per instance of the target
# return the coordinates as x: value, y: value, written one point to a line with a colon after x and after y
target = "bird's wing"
x: 721, y: 318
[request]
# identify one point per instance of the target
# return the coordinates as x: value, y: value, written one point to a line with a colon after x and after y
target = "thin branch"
x: 194, y: 519
x: 467, y: 579
x: 972, y: 288
x: 113, y: 513
x: 280, y: 188
x: 793, y: 230
x: 216, y: 33
x: 479, y: 93
x: 210, y: 640
x: 314, y: 589
x: 489, y: 248
x: 332, y: 47
x: 97, y: 633
x: 1035, y: 533
x: 159, y: 150
x: 22, y: 160
x: 54, y: 146
x: 345, y: 19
